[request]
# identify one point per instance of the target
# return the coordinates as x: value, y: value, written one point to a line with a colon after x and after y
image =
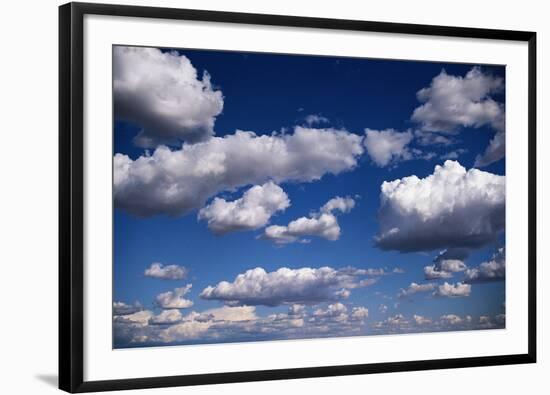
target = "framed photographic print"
x: 253, y: 197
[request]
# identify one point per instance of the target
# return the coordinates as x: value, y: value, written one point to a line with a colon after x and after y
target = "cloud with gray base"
x: 492, y: 270
x: 166, y: 272
x: 457, y: 290
x: 252, y: 211
x: 175, y: 182
x: 174, y: 299
x: 163, y: 94
x: 286, y: 286
x: 451, y: 208
x: 323, y: 224
x: 451, y: 102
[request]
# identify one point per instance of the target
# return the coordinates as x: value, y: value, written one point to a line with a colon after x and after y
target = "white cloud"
x: 453, y: 290
x: 162, y: 93
x: 359, y: 313
x: 252, y: 211
x: 415, y: 288
x: 314, y: 119
x: 323, y: 224
x: 454, y: 101
x: 235, y: 313
x: 121, y: 308
x: 285, y: 286
x: 344, y: 205
x: 450, y: 319
x: 444, y: 268
x: 387, y: 146
x: 167, y: 317
x: 174, y: 299
x: 168, y: 272
x: 431, y: 273
x: 383, y: 309
x: 336, y: 312
x: 183, y: 331
x: 492, y: 270
x: 174, y: 182
x: 420, y: 320
x: 450, y: 208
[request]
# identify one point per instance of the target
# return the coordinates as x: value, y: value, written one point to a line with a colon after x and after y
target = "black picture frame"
x: 71, y: 204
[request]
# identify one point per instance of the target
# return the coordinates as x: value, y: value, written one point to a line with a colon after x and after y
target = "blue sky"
x: 270, y: 93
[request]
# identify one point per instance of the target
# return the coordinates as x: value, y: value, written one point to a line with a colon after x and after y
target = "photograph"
x: 274, y: 197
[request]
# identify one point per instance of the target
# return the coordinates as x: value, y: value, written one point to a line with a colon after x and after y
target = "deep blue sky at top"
x: 264, y: 93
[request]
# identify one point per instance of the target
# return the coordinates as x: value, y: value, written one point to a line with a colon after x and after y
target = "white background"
x: 28, y: 217
x: 102, y: 362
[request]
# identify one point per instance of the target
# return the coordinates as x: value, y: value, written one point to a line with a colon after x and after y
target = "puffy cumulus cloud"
x: 383, y: 308
x: 174, y: 299
x: 492, y: 270
x: 315, y: 119
x: 162, y: 93
x: 174, y: 182
x: 450, y: 208
x: 168, y: 272
x: 252, y: 211
x: 444, y: 268
x: 451, y: 102
x: 166, y: 317
x: 420, y: 320
x: 121, y: 308
x: 393, y: 324
x: 452, y: 319
x: 238, y: 323
x: 415, y: 288
x: 323, y: 224
x: 359, y: 313
x: 431, y: 273
x: 285, y: 286
x: 388, y: 146
x: 336, y: 312
x: 453, y: 290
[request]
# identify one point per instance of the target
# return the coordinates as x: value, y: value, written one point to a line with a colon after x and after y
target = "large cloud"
x: 168, y: 272
x: 176, y: 182
x: 252, y: 211
x: 285, y: 286
x: 174, y: 299
x: 162, y: 93
x: 450, y: 208
x: 323, y: 224
x: 454, y: 101
x: 388, y: 146
x: 492, y: 270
